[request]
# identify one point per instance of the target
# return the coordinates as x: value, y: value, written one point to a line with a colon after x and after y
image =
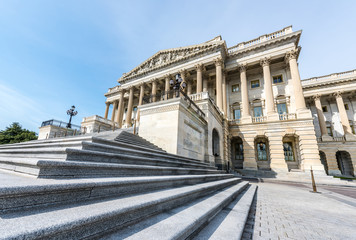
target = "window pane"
x: 330, y: 133
x: 255, y: 84
x: 281, y: 108
x: 257, y: 111
x: 261, y: 151
x: 235, y: 88
x: 288, y: 151
x: 239, y: 154
x: 277, y: 79
x: 237, y: 114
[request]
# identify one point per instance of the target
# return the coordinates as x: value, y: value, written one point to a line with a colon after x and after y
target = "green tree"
x: 15, y: 134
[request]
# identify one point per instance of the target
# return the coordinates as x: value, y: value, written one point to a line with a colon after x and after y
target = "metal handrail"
x: 58, y: 123
x: 191, y: 103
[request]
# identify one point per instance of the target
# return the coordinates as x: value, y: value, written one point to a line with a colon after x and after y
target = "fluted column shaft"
x: 114, y: 111
x: 224, y: 93
x: 166, y: 87
x: 268, y: 86
x: 107, y: 110
x: 142, y: 92
x: 297, y: 84
x: 205, y: 84
x: 321, y: 119
x: 219, y: 98
x: 189, y: 87
x: 199, y: 68
x: 342, y: 112
x: 129, y: 108
x: 154, y: 90
x: 244, y: 93
x: 120, y: 109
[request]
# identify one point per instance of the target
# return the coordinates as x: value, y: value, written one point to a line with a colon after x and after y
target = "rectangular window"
x: 255, y: 83
x: 330, y: 132
x: 288, y: 151
x: 325, y: 108
x: 257, y: 111
x: 346, y: 106
x: 277, y: 79
x: 237, y: 114
x: 235, y: 88
x: 281, y: 108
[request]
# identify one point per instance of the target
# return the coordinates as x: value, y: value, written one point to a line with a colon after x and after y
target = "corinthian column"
x: 268, y: 87
x: 129, y: 108
x: 114, y: 111
x: 189, y: 87
x: 297, y: 84
x: 224, y: 93
x: 342, y: 112
x: 322, y: 124
x: 219, y: 99
x: 154, y: 90
x: 120, y: 109
x: 199, y: 68
x: 142, y: 92
x: 107, y: 110
x: 246, y: 116
x: 166, y: 86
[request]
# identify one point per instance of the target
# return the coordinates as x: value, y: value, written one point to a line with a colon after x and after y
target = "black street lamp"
x: 71, y: 113
x: 178, y: 84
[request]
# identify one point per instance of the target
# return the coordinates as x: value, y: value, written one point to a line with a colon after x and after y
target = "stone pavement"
x: 291, y: 211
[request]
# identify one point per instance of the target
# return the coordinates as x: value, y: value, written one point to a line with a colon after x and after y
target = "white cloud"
x: 17, y: 107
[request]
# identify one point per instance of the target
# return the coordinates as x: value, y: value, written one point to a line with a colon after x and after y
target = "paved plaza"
x: 291, y: 211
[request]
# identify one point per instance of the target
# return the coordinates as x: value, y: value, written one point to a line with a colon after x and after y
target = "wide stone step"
x: 75, y: 169
x: 107, y: 157
x: 181, y: 222
x: 135, y: 143
x: 39, y: 193
x: 230, y: 222
x: 97, y: 218
x: 132, y: 153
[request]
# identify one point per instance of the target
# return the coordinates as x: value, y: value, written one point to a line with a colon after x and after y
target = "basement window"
x: 325, y: 108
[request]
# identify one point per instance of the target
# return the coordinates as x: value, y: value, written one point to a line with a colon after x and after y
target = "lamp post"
x: 178, y: 84
x: 71, y: 113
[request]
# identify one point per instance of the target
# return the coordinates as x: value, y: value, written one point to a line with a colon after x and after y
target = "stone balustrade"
x: 260, y: 39
x: 199, y: 96
x: 287, y: 116
x: 259, y: 119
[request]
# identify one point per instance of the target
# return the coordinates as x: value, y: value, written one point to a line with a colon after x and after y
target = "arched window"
x: 216, y: 143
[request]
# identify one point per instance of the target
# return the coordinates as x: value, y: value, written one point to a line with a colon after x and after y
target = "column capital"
x: 338, y: 94
x: 316, y: 97
x: 167, y: 76
x: 219, y: 62
x: 293, y: 54
x: 265, y: 61
x: 182, y: 73
x: 242, y: 67
x: 199, y: 67
x: 152, y: 80
x: 122, y: 90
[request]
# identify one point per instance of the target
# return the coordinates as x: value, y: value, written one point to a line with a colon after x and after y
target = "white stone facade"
x: 257, y: 113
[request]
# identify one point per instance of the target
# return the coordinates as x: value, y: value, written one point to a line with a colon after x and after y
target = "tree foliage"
x: 15, y: 134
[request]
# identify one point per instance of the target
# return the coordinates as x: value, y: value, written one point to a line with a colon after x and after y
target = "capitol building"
x: 242, y: 108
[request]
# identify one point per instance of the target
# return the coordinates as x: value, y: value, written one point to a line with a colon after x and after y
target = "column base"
x: 326, y: 138
x: 247, y: 119
x: 249, y: 166
x: 350, y: 137
x: 273, y: 116
x: 303, y: 113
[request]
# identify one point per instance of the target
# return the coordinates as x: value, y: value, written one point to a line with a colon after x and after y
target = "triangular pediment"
x: 169, y: 56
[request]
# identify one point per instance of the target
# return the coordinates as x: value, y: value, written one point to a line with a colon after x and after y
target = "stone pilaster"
x: 245, y: 106
x: 107, y: 110
x: 189, y: 87
x: 219, y: 98
x: 142, y: 92
x: 129, y: 108
x: 322, y: 124
x: 249, y: 162
x: 270, y: 109
x: 278, y: 163
x: 199, y: 69
x: 333, y: 168
x: 343, y: 116
x: 205, y: 83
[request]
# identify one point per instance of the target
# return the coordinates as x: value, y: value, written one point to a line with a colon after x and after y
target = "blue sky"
x: 54, y: 54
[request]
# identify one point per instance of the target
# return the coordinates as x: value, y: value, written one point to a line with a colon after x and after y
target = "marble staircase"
x: 115, y: 186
